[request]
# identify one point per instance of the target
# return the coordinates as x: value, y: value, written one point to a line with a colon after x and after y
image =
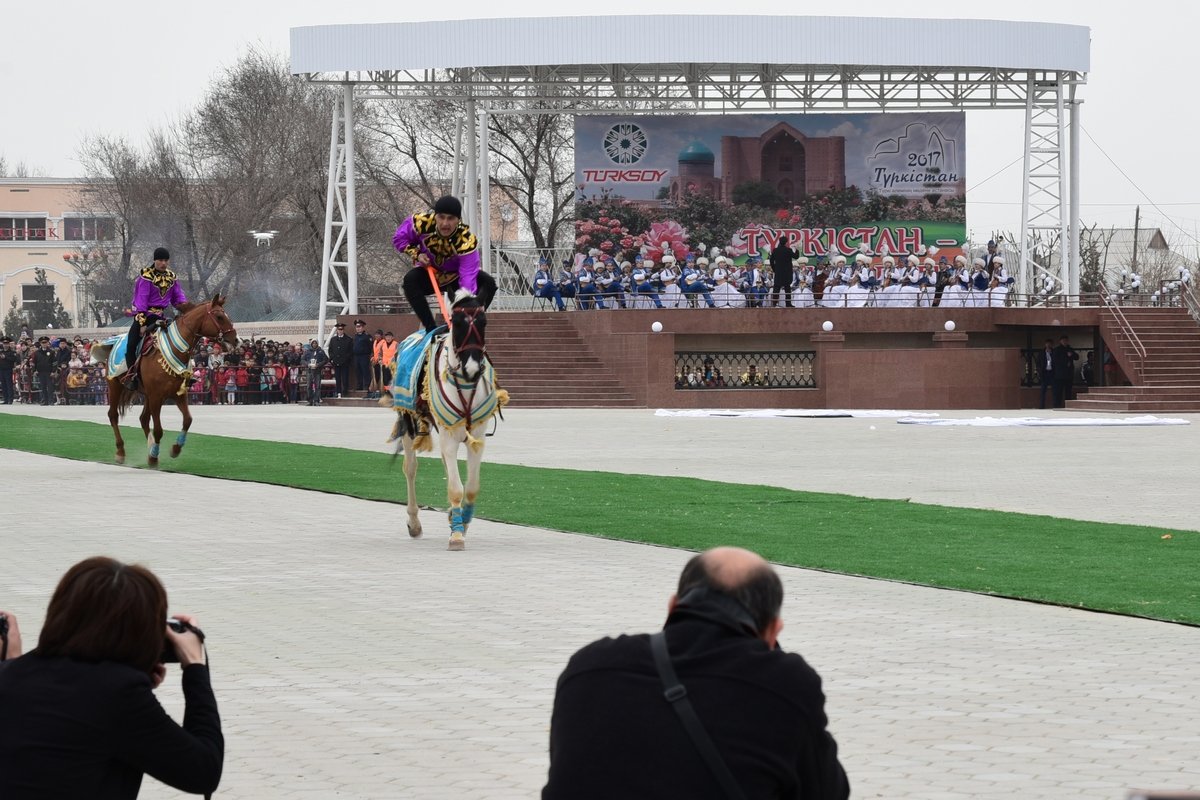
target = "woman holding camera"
x: 78, y: 715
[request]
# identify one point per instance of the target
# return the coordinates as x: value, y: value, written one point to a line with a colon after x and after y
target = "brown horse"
x: 164, y: 372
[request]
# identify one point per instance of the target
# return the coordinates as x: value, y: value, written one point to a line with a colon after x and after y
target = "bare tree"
x: 534, y: 157
x: 251, y: 156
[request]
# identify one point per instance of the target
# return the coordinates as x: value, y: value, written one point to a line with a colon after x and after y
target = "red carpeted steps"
x: 543, y: 362
x: 1167, y: 379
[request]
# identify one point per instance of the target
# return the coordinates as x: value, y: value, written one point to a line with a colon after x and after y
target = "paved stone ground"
x: 356, y: 663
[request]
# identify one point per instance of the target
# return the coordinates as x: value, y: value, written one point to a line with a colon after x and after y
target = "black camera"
x: 169, y: 655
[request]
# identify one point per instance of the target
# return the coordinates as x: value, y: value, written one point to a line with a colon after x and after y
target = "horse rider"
x: 440, y: 239
x: 156, y: 288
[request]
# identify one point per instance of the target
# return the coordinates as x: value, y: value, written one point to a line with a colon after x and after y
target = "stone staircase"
x: 1167, y: 379
x: 543, y: 362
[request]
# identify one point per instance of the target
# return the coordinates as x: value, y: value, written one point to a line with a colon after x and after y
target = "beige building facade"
x: 45, y: 224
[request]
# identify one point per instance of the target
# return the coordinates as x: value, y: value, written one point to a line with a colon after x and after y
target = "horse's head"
x: 214, y: 323
x: 468, y: 324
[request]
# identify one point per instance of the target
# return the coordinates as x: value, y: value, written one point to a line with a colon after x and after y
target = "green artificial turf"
x: 1126, y: 569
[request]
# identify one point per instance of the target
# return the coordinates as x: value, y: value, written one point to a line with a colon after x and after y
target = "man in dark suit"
x: 363, y: 346
x: 1064, y: 371
x: 761, y: 709
x: 1044, y: 362
x: 781, y: 265
x: 341, y: 351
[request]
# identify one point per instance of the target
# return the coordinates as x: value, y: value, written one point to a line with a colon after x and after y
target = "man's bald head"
x: 740, y: 574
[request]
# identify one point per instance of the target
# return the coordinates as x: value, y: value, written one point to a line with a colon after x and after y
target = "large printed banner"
x: 888, y: 183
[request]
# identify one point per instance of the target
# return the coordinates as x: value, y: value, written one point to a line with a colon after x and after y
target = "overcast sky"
x: 76, y: 68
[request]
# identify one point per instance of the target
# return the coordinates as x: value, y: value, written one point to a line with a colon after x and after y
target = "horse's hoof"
x: 120, y: 458
x: 152, y: 463
x: 414, y: 531
x: 175, y: 450
x: 457, y: 542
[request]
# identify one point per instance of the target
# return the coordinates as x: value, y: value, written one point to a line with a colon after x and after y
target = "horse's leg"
x: 144, y: 418
x: 114, y: 414
x: 155, y: 442
x: 449, y: 441
x: 181, y: 402
x: 474, y: 462
x: 410, y: 476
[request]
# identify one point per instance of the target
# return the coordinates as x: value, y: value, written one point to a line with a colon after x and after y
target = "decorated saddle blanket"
x: 406, y: 372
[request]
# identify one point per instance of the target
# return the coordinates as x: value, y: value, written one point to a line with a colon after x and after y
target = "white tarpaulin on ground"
x: 1036, y: 422
x: 763, y: 413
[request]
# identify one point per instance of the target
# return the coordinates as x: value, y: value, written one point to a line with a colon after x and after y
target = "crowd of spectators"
x: 59, y: 371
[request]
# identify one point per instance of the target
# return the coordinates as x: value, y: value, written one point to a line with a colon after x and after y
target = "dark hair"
x: 103, y: 610
x: 760, y: 591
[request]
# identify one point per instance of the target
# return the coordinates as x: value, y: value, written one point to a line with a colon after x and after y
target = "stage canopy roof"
x: 700, y: 63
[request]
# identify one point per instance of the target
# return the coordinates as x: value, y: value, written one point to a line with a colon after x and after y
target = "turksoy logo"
x: 625, y: 143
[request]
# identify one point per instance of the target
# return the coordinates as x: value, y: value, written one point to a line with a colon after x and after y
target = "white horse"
x: 460, y: 396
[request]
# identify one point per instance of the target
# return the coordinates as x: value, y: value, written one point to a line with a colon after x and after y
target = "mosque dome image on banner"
x: 697, y: 153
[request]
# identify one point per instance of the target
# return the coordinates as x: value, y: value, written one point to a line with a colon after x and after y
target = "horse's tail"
x: 385, y: 399
x: 99, y: 353
x: 124, y: 397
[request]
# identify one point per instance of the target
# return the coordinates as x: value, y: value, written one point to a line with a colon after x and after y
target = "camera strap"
x: 676, y: 694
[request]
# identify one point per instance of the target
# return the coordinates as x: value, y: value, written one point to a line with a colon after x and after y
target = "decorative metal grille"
x: 750, y: 369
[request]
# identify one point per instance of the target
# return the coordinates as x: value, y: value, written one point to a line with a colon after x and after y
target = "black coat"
x: 1064, y: 362
x: 340, y: 350
x: 364, y: 344
x: 71, y: 729
x: 613, y: 735
x: 781, y: 258
x: 44, y: 360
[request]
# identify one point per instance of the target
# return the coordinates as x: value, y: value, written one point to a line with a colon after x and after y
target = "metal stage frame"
x: 953, y: 65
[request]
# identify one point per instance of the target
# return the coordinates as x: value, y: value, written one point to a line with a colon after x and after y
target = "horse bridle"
x: 473, y: 340
x: 220, y: 331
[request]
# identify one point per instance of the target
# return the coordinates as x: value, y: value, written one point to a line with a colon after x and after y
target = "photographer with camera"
x: 710, y: 707
x: 79, y: 716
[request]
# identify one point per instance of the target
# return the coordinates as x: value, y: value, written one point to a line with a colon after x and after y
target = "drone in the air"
x: 263, y: 237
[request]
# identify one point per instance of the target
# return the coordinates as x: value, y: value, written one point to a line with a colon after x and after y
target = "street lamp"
x: 85, y: 264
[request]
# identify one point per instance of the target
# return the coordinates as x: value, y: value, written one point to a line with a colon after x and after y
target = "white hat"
x: 929, y: 262
x: 862, y: 258
x: 961, y: 260
x: 702, y: 262
x: 889, y: 260
x: 803, y: 259
x: 668, y: 259
x: 625, y: 264
x: 978, y: 262
x: 913, y: 261
x: 839, y: 259
x: 648, y: 263
x: 998, y: 260
x: 718, y: 274
x: 720, y: 260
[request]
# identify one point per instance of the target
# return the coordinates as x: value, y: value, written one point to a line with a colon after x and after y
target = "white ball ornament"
x: 949, y: 324
x: 656, y: 326
x: 827, y: 326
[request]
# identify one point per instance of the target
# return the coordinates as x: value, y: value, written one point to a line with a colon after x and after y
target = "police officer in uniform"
x: 8, y: 362
x: 44, y: 361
